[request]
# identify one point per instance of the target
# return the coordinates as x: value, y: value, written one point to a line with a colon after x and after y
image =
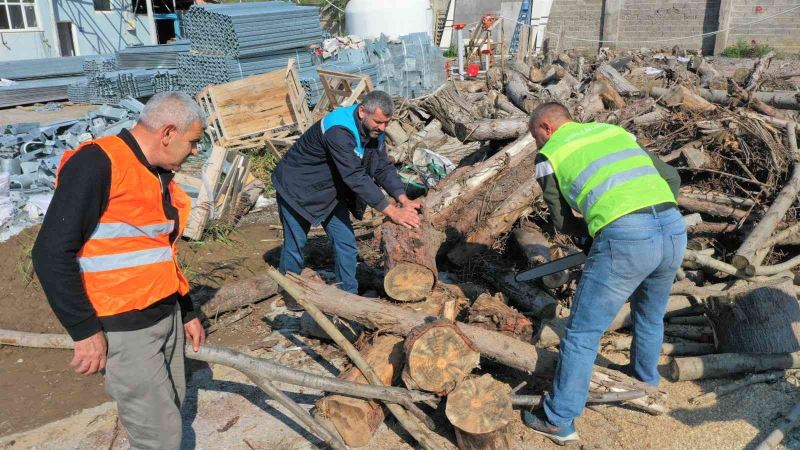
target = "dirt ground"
x: 43, y: 404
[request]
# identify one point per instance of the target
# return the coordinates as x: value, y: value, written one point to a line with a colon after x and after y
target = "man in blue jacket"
x: 334, y: 169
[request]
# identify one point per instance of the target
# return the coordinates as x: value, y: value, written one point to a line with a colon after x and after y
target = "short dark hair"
x: 549, y: 110
x: 378, y: 99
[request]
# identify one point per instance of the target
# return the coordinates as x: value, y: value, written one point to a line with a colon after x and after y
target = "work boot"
x: 537, y: 421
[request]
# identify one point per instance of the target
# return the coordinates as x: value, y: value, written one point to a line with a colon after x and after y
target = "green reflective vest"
x: 603, y: 173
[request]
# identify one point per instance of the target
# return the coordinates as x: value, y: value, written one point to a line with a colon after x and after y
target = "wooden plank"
x: 202, y: 208
x: 297, y: 96
x: 188, y: 180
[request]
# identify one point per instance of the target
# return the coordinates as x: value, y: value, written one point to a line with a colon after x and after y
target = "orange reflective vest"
x: 128, y: 262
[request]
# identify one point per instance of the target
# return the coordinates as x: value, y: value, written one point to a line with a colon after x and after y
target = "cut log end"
x: 438, y: 357
x: 480, y: 405
x: 408, y: 282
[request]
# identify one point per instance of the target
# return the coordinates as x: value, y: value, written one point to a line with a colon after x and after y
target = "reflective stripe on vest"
x: 125, y: 260
x: 121, y: 229
x: 603, y: 173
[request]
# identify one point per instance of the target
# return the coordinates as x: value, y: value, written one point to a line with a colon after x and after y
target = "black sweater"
x: 79, y: 201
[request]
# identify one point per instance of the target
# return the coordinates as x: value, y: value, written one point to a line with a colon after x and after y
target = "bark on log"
x: 500, y: 221
x: 620, y: 84
x: 690, y: 332
x: 747, y: 98
x: 308, y: 327
x: 766, y: 226
x: 410, y: 260
x: 681, y: 96
x: 395, y: 133
x: 471, y: 86
x: 608, y: 94
x: 716, y: 197
x: 552, y: 330
x: 759, y: 69
x: 450, y: 108
x: 538, y: 250
x: 491, y: 313
x: 517, y: 91
x: 504, y: 104
x: 778, y: 99
x: 439, y: 202
x: 725, y: 364
x: 355, y: 419
x: 711, y: 208
x: 528, y: 298
x: 492, y: 129
x: 706, y: 71
x: 494, y: 79
x: 623, y: 343
x: 438, y: 357
x: 480, y: 409
x: 763, y: 320
x: 237, y: 294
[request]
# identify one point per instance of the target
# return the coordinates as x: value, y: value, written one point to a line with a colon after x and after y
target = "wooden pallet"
x: 341, y: 89
x: 241, y: 114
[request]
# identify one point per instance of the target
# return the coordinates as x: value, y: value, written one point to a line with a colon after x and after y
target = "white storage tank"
x: 370, y: 18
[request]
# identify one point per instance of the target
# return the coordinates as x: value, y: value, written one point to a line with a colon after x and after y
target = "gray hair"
x: 549, y: 110
x: 378, y: 99
x: 171, y: 108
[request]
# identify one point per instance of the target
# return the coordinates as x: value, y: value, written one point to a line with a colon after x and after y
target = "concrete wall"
x: 653, y: 20
x: 96, y: 32
x: 782, y: 32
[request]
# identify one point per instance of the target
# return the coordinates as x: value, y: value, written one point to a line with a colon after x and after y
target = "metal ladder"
x: 524, y: 18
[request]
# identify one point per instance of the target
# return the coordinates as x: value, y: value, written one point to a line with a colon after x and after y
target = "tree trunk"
x: 726, y: 364
x: 620, y: 84
x: 517, y: 91
x: 410, y: 260
x: 706, y: 71
x: 778, y: 99
x: 528, y: 298
x: 462, y: 189
x: 504, y: 104
x: 499, y: 222
x: 480, y: 409
x: 538, y: 250
x: 492, y: 129
x: 450, y: 108
x: 551, y: 331
x: 491, y: 312
x: 759, y: 69
x: 494, y: 79
x: 690, y: 332
x: 237, y: 294
x: 764, y: 320
x: 438, y: 357
x: 681, y: 96
x: 356, y: 419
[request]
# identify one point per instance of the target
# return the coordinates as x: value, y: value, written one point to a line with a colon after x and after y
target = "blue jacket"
x: 334, y: 161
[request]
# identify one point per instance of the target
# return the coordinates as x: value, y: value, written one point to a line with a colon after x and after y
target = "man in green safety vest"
x: 627, y: 200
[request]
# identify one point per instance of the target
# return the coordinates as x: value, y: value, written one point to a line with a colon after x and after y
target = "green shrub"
x: 744, y: 49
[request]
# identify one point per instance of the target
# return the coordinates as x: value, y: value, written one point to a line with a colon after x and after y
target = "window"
x: 17, y: 15
x: 102, y: 5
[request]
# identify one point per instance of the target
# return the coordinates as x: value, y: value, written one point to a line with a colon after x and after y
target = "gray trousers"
x: 145, y: 375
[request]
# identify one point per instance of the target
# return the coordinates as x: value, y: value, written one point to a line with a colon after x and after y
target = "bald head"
x: 546, y: 119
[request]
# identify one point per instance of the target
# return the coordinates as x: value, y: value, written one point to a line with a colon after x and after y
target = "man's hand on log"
x: 405, y: 216
x: 406, y: 202
x: 90, y: 354
x: 194, y: 332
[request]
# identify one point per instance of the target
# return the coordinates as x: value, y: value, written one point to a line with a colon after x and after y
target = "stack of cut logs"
x: 452, y: 296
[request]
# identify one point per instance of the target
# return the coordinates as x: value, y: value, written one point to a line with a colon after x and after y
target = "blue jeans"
x: 339, y: 230
x: 634, y: 257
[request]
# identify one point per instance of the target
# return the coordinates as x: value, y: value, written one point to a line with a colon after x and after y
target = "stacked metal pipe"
x: 249, y: 29
x: 152, y: 56
x: 233, y: 41
x: 39, y: 80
